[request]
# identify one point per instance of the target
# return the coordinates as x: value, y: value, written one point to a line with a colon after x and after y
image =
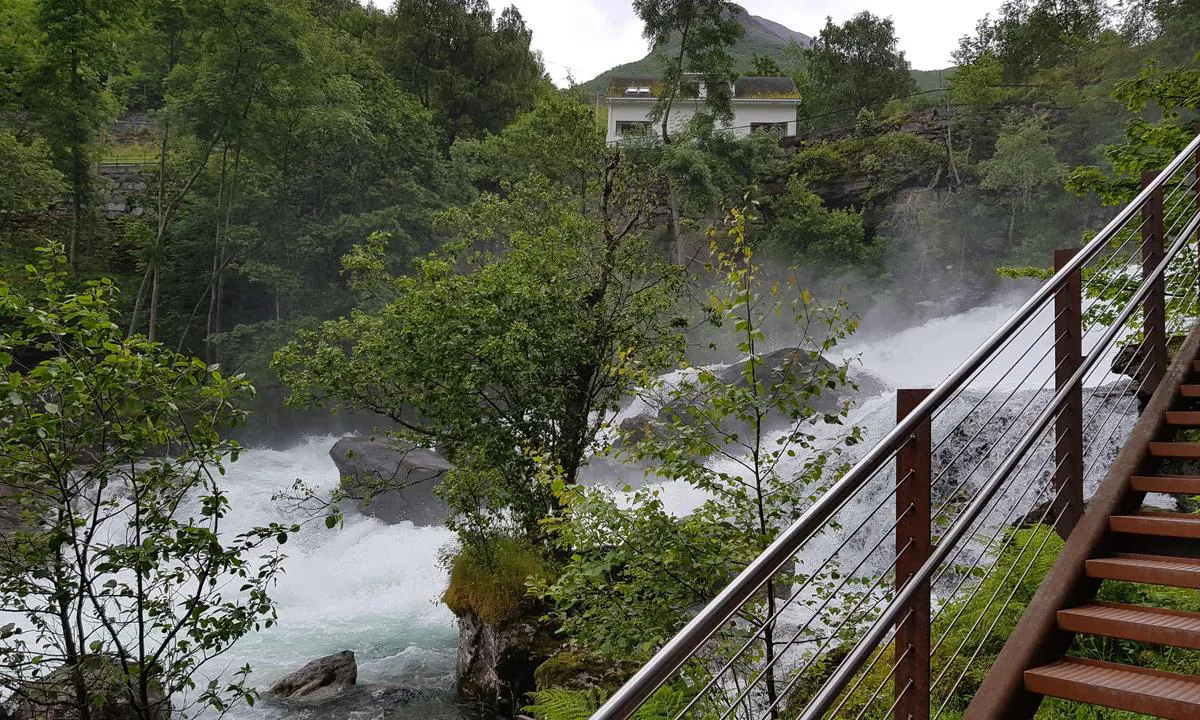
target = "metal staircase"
x: 906, y: 574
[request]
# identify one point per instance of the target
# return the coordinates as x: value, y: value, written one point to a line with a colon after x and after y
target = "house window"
x: 633, y: 127
x: 778, y: 128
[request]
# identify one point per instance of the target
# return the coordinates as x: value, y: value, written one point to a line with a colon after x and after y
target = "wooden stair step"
x: 1177, y: 484
x: 1175, y: 449
x: 1148, y: 569
x: 1121, y: 687
x: 1189, y: 391
x: 1162, y: 524
x: 1134, y: 622
x: 1187, y: 418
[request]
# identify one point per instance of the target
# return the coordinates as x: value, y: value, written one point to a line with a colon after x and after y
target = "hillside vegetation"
x: 763, y: 37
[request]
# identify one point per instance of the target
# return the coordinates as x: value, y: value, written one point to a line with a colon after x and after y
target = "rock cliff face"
x: 496, y: 664
x: 127, y: 187
x: 392, y: 484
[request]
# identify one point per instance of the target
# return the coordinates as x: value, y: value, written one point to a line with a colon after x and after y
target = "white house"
x: 760, y: 104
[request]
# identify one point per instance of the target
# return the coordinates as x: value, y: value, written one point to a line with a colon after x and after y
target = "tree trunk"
x: 153, y: 329
x: 216, y: 258
x: 79, y: 169
x: 139, y: 299
x: 160, y: 236
x: 77, y: 181
x: 674, y: 89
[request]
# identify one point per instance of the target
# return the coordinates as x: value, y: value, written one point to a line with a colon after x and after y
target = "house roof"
x: 766, y: 88
x: 746, y: 88
x: 619, y: 86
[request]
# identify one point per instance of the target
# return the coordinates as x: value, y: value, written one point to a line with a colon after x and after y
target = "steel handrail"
x: 845, y: 672
x: 725, y: 605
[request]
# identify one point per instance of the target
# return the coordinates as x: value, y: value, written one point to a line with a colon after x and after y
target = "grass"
x: 494, y: 588
x: 144, y: 153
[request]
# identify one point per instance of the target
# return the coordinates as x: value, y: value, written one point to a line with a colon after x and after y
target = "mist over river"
x: 375, y: 588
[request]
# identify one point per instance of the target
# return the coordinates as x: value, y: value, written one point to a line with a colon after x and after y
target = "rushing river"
x: 375, y: 588
x: 367, y: 587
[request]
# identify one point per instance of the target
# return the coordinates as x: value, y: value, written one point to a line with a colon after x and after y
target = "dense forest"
x: 395, y: 214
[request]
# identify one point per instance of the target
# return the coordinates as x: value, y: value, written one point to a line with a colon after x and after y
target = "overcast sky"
x: 587, y: 37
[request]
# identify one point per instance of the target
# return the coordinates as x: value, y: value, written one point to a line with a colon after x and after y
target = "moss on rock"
x: 582, y: 671
x: 493, y: 585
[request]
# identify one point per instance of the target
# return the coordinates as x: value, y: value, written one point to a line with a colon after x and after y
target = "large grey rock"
x: 1132, y: 360
x: 776, y: 365
x: 799, y: 365
x: 322, y: 680
x: 392, y: 484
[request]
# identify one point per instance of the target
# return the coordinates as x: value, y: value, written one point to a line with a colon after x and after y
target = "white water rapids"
x: 374, y: 588
x: 367, y: 586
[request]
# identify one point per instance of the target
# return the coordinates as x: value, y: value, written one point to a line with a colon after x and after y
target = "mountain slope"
x: 763, y: 37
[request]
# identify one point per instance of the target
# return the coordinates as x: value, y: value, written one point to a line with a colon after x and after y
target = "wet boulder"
x: 1133, y: 360
x: 321, y: 680
x: 800, y: 365
x: 789, y: 362
x: 392, y: 483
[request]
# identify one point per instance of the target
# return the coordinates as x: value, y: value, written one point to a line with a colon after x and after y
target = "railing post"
x: 1154, y: 308
x: 1068, y: 426
x: 912, y: 550
x: 1196, y: 175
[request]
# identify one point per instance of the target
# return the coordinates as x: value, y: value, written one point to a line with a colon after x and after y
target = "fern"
x: 563, y: 704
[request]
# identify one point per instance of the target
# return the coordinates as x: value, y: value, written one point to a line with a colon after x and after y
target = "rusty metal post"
x: 913, y: 545
x: 1154, y: 308
x: 1068, y: 427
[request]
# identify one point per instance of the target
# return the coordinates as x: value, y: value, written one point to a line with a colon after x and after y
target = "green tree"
x: 19, y: 36
x: 557, y: 139
x: 31, y: 182
x: 636, y: 572
x: 118, y: 560
x: 519, y: 356
x: 472, y: 68
x: 1024, y: 169
x: 856, y: 65
x: 1148, y: 146
x: 68, y: 93
x: 765, y: 66
x: 1032, y: 35
x: 692, y: 39
x: 798, y: 228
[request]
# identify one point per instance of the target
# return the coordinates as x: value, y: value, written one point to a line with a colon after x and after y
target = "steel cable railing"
x: 1014, y: 435
x: 871, y: 639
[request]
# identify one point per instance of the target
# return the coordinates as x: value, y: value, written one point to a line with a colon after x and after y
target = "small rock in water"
x: 323, y: 679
